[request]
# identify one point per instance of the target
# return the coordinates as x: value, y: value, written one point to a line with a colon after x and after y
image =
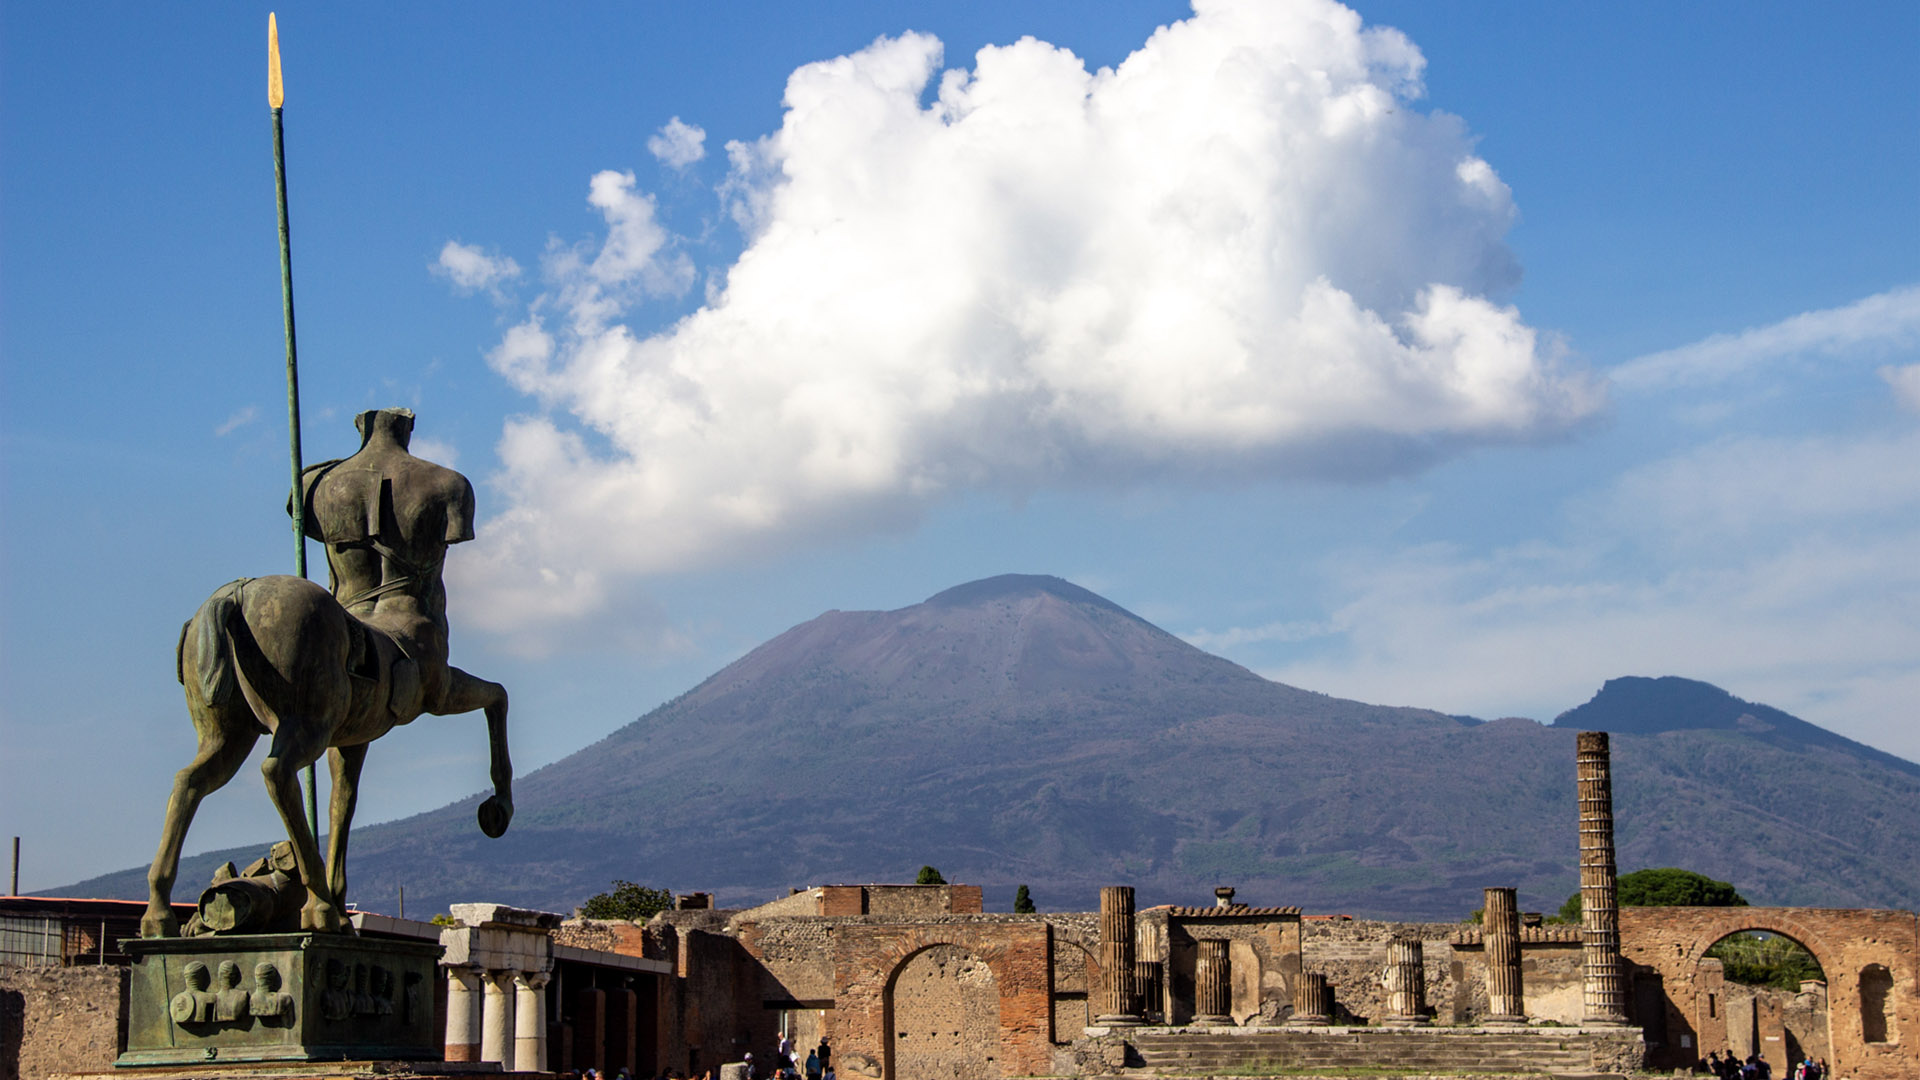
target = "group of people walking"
x: 1755, y: 1067
x: 817, y: 1066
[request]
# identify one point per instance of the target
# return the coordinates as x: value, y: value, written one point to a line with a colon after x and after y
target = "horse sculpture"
x: 330, y: 671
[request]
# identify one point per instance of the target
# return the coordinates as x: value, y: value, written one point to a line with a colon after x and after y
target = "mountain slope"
x: 1022, y: 729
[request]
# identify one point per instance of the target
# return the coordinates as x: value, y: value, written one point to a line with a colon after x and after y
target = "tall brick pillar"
x: 1501, y: 917
x: 1119, y: 997
x: 1312, y: 1000
x: 1605, y: 987
x: 1406, y: 981
x: 1212, y: 983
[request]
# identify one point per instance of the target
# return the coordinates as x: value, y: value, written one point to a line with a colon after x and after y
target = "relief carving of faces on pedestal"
x: 230, y: 1002
x: 337, y: 1002
x: 268, y: 1004
x: 195, y: 1004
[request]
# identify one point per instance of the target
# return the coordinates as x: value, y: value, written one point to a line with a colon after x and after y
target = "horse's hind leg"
x: 295, y: 746
x: 345, y: 762
x: 223, y: 746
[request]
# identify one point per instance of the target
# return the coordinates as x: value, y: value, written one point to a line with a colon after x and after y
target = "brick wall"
x: 60, y: 1019
x: 1871, y: 959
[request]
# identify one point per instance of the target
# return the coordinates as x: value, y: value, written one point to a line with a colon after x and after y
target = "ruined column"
x: 496, y: 1021
x: 1501, y: 918
x: 1147, y: 983
x: 463, y: 1012
x: 1312, y: 1000
x: 1605, y: 988
x: 1120, y: 999
x: 1406, y: 981
x: 1212, y: 983
x: 530, y: 1021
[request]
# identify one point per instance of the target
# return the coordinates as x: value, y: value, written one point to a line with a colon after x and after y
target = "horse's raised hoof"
x: 159, y: 923
x: 496, y: 813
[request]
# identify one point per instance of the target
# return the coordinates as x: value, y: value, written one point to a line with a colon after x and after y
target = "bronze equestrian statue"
x: 329, y: 672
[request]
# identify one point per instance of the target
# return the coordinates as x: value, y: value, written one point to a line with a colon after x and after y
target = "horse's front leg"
x: 466, y: 693
x: 344, y: 762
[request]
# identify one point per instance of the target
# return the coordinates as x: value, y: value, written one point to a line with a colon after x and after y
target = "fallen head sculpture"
x: 328, y: 672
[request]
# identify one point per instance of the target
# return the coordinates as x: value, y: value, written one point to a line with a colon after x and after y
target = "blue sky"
x: 1463, y: 367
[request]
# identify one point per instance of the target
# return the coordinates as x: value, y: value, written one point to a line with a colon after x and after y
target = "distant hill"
x: 1023, y: 729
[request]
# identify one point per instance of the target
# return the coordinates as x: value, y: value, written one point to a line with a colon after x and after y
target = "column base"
x: 1406, y: 1021
x: 1310, y: 1019
x: 1504, y: 1021
x: 1118, y: 1021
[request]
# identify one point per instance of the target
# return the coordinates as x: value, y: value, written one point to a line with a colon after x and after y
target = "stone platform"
x: 1229, y: 1051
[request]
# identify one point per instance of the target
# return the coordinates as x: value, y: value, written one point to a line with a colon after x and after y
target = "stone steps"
x: 1202, y: 1051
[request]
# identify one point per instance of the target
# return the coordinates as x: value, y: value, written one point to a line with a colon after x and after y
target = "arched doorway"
x: 1762, y: 992
x: 943, y: 1017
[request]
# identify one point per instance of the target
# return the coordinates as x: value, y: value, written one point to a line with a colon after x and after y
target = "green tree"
x: 1667, y: 886
x: 929, y: 876
x: 1022, y: 901
x: 627, y: 901
x: 1766, y: 960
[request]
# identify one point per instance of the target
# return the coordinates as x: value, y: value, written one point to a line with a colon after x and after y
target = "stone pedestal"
x: 280, y: 997
x: 1212, y: 983
x: 1312, y: 1000
x: 1501, y: 918
x: 1119, y: 999
x: 1604, y: 982
x: 1406, y: 979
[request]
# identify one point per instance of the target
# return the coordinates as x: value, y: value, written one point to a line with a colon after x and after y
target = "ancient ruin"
x: 903, y: 981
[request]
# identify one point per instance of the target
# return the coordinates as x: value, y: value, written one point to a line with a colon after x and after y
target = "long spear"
x: 276, y: 97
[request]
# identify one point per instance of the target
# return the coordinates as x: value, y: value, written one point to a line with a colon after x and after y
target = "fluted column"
x: 1147, y: 983
x: 1501, y: 917
x: 1312, y: 999
x: 1605, y: 988
x: 530, y: 1020
x: 463, y: 1012
x: 1120, y: 999
x: 1406, y: 981
x: 1212, y: 983
x: 496, y: 1021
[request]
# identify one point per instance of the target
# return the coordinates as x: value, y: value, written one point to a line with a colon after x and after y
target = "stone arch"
x: 1751, y: 1021
x: 942, y: 1016
x: 1076, y: 972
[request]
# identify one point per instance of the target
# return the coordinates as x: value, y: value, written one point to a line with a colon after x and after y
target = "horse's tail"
x: 213, y: 670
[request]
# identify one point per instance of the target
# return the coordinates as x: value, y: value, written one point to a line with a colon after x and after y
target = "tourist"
x: 813, y: 1065
x: 826, y: 1055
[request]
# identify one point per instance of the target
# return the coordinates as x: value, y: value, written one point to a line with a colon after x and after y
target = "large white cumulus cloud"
x: 1242, y: 252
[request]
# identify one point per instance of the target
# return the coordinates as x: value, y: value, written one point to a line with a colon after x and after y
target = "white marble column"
x: 496, y: 1025
x: 530, y: 1020
x: 463, y: 1012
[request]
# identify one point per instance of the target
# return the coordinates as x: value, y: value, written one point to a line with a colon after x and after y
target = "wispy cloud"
x: 1905, y: 381
x: 471, y: 269
x: 1879, y: 323
x: 1780, y: 568
x: 240, y: 418
x: 678, y: 144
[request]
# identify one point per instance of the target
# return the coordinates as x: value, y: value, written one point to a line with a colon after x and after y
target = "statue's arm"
x: 460, y: 513
x: 309, y: 477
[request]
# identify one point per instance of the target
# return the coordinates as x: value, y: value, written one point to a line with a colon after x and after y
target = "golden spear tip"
x: 276, y: 94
